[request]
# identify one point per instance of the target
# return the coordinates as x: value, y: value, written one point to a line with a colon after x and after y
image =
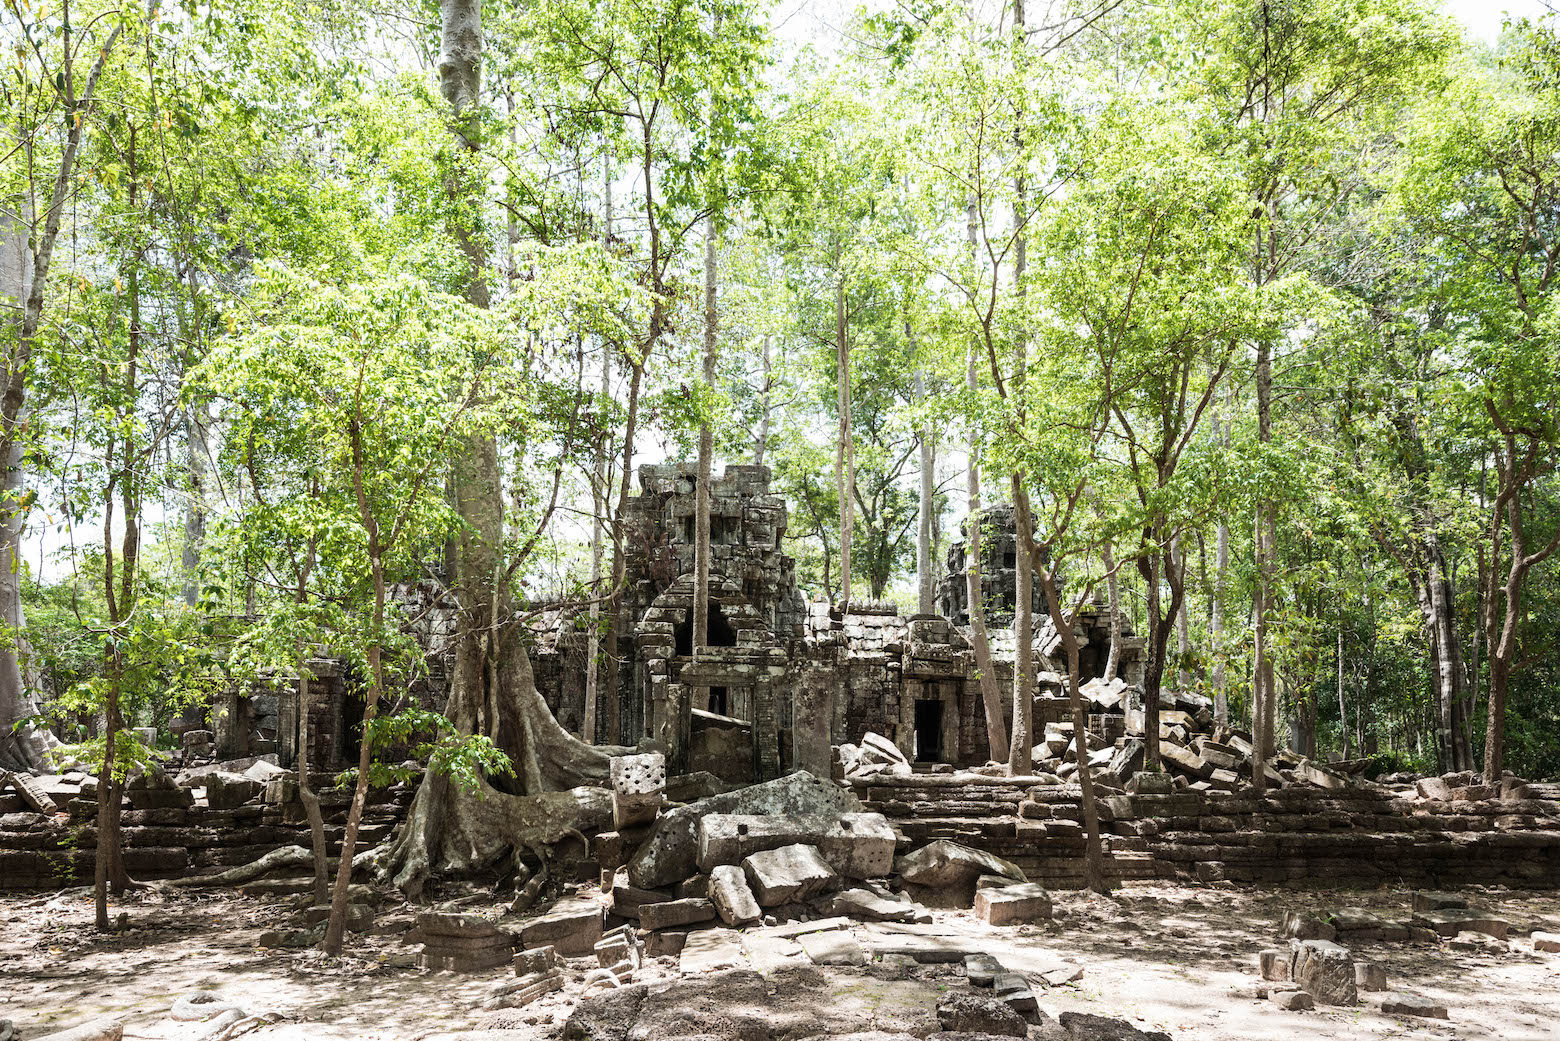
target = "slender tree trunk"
x: 1095, y: 876
x: 1021, y: 744
x: 1113, y: 591
x: 1183, y: 624
x: 991, y: 695
x: 1456, y: 754
x: 845, y: 450
x: 925, y: 504
x: 1221, y: 694
x: 1154, y: 666
x: 701, y: 548
x: 1263, y: 694
x: 761, y: 439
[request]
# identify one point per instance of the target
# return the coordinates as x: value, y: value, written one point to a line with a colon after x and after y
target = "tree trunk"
x: 761, y: 438
x: 1113, y: 588
x: 1455, y: 750
x: 990, y: 694
x: 1183, y: 624
x: 1021, y: 744
x: 26, y: 253
x: 925, y: 600
x: 701, y: 544
x: 845, y: 453
x: 1263, y: 695
x: 1095, y: 876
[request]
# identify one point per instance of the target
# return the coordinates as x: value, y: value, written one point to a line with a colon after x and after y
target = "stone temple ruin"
x: 784, y: 679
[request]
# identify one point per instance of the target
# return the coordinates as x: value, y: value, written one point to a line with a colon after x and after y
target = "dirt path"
x: 1164, y: 957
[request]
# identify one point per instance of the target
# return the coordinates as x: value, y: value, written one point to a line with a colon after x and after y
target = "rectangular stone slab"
x: 856, y: 845
x: 833, y: 948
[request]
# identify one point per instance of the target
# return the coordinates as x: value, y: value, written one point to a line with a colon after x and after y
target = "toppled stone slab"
x: 1300, y: 926
x: 670, y: 853
x: 638, y: 788
x: 856, y: 845
x: 104, y: 1028
x: 788, y: 874
x: 1547, y: 943
x: 834, y: 947
x: 1370, y: 975
x: 1413, y: 1005
x: 967, y: 1013
x: 1425, y: 900
x: 863, y: 903
x: 943, y: 873
x: 982, y: 969
x: 1013, y: 990
x: 33, y: 796
x: 710, y: 950
x: 672, y: 913
x: 733, y: 897
x: 1011, y: 905
x: 927, y: 944
x: 1274, y: 965
x: 1325, y: 970
x: 1451, y: 921
x: 228, y: 791
x: 572, y: 929
x: 1080, y: 1026
x: 1291, y: 1000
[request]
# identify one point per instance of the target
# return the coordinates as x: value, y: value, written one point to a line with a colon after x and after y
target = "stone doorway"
x: 929, y: 730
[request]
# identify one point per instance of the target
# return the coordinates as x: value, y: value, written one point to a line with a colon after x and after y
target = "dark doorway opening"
x: 719, y: 703
x: 721, y: 633
x: 928, y: 731
x: 352, y: 709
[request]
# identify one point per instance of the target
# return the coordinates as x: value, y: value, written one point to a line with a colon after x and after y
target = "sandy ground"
x: 1163, y: 957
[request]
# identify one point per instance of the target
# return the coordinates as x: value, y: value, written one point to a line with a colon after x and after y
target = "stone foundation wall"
x: 53, y: 852
x: 1294, y: 836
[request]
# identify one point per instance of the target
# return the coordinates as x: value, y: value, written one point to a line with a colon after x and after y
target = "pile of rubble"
x: 1316, y: 968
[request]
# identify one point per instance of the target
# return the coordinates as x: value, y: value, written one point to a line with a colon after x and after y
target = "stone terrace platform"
x: 1358, y: 835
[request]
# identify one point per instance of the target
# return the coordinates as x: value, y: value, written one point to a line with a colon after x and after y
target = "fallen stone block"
x: 670, y: 853
x: 1369, y: 975
x: 32, y: 795
x: 856, y: 845
x: 1413, y: 1005
x: 1547, y: 943
x: 862, y: 903
x: 733, y: 897
x: 1452, y: 921
x: 835, y: 947
x: 225, y: 791
x: 1081, y: 1026
x: 626, y: 900
x: 1274, y: 965
x: 969, y: 1014
x: 572, y: 930
x: 1298, y: 926
x: 104, y: 1028
x: 638, y: 788
x: 1324, y: 969
x: 529, y: 963
x: 788, y: 874
x: 1011, y: 905
x: 1062, y: 975
x: 1424, y: 900
x: 982, y: 969
x: 1291, y: 1000
x: 465, y: 961
x: 673, y: 913
x: 519, y: 993
x: 1013, y: 990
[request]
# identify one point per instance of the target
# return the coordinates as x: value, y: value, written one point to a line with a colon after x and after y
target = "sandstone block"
x: 1547, y: 943
x: 573, y: 931
x: 856, y: 845
x: 1292, y: 1000
x: 1274, y: 965
x: 1324, y: 969
x: 733, y: 898
x: 673, y: 913
x: 968, y: 1014
x: 1011, y: 905
x: 787, y: 874
x: 1413, y: 1005
x: 1369, y: 975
